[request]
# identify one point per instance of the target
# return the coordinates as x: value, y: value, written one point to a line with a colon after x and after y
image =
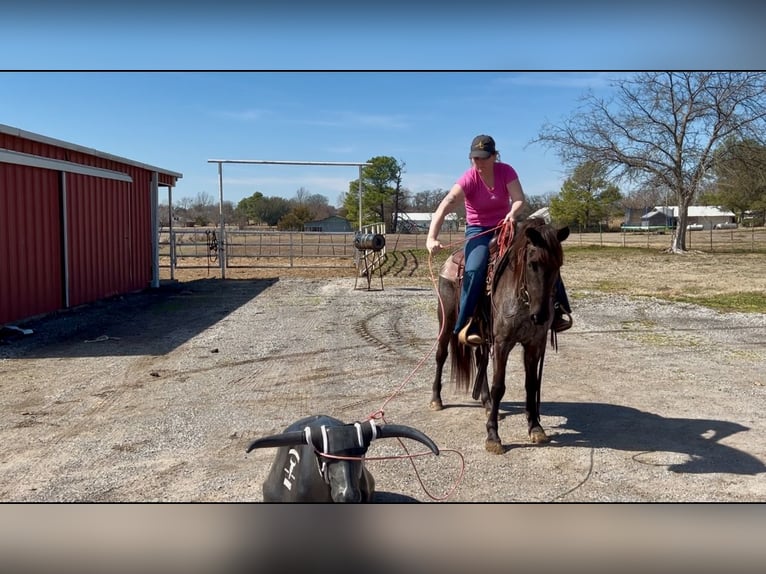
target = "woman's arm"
x: 517, y: 200
x: 447, y: 205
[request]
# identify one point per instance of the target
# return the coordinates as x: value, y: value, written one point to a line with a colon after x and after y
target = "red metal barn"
x: 76, y: 224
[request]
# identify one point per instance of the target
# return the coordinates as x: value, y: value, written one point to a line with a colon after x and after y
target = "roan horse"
x: 518, y: 308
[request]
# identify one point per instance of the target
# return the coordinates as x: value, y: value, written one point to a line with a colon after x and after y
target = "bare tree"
x: 663, y: 127
x: 301, y: 195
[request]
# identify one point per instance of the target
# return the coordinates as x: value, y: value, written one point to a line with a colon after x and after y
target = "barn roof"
x: 10, y: 130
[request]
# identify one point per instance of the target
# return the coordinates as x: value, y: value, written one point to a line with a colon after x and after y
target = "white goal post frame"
x: 220, y: 162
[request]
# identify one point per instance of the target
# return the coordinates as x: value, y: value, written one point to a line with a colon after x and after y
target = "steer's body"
x: 321, y: 459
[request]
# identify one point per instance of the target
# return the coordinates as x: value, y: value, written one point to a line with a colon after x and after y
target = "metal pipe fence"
x: 743, y: 239
x: 196, y: 248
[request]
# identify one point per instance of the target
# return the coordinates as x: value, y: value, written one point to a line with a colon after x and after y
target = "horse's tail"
x: 462, y: 364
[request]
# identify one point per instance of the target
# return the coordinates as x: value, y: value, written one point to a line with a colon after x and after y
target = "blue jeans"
x: 476, y: 251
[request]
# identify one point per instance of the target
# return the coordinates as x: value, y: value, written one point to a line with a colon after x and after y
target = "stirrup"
x: 466, y: 338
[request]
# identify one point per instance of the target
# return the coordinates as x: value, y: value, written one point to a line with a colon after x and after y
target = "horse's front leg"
x: 496, y: 393
x: 533, y: 374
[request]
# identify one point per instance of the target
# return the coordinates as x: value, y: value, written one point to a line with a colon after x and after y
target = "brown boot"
x: 562, y: 320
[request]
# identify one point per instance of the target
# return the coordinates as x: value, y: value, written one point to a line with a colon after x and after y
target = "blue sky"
x: 181, y: 120
x: 146, y: 80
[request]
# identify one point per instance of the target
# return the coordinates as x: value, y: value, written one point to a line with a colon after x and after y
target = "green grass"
x: 414, y: 263
x: 746, y: 302
x: 662, y: 339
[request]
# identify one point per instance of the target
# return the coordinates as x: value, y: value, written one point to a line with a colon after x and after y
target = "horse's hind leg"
x: 447, y: 316
x: 480, y: 384
x: 442, y: 351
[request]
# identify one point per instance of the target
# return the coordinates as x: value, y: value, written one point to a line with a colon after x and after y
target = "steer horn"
x: 364, y: 433
x: 284, y: 439
x: 402, y: 431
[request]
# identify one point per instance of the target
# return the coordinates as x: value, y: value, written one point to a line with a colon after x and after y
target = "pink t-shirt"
x: 484, y: 206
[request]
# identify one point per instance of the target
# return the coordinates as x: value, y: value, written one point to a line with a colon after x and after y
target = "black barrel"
x: 369, y: 241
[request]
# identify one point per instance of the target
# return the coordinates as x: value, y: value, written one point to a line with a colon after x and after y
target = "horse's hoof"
x: 537, y: 435
x: 436, y: 406
x: 494, y: 446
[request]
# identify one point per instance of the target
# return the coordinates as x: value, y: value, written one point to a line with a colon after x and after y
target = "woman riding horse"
x: 492, y: 195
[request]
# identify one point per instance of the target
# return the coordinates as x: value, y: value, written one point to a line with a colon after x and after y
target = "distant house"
x: 544, y: 212
x: 698, y: 217
x: 419, y: 222
x: 334, y: 223
x: 708, y: 216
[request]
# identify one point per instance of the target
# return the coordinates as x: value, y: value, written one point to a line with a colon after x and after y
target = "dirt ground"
x: 155, y: 396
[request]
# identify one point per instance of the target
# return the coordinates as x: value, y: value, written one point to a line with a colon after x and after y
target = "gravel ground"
x: 155, y: 396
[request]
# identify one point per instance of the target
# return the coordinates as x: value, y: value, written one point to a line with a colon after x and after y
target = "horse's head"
x: 538, y: 259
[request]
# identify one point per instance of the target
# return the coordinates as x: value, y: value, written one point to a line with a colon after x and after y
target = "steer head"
x: 338, y: 450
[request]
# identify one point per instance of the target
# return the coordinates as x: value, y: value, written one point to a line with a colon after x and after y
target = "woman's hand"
x: 433, y: 245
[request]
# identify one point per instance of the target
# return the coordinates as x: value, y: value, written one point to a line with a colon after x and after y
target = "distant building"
x: 697, y: 217
x: 544, y: 212
x: 334, y: 223
x: 707, y: 216
x: 419, y: 222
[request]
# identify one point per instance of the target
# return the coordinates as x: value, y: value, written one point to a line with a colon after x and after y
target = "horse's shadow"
x: 601, y: 425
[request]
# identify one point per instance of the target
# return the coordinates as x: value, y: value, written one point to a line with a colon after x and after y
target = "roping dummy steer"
x: 300, y: 472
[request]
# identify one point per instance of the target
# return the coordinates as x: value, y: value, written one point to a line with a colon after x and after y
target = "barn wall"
x: 109, y: 232
x: 30, y: 242
x: 108, y: 228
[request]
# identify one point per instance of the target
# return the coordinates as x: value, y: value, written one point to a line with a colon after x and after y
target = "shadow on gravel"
x: 392, y: 497
x: 151, y: 322
x: 600, y: 425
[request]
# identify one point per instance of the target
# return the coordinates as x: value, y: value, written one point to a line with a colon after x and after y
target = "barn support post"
x: 171, y: 243
x: 64, y: 240
x: 154, y: 222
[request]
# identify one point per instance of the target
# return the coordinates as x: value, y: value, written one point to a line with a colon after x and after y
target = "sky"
x: 176, y: 84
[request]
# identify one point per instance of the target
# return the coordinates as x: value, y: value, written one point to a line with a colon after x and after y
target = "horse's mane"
x: 514, y: 258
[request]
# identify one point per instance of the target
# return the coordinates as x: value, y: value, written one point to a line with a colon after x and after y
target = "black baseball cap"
x: 482, y: 147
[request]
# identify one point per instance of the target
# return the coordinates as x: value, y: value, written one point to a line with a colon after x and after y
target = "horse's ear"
x: 534, y: 236
x: 562, y: 233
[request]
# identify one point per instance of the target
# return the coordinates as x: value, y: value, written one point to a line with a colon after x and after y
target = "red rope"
x: 505, y: 238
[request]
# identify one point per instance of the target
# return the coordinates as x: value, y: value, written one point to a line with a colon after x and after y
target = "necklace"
x: 489, y: 187
x: 484, y: 181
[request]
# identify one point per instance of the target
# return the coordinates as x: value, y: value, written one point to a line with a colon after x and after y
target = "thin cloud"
x: 566, y: 80
x: 359, y: 120
x: 243, y: 115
